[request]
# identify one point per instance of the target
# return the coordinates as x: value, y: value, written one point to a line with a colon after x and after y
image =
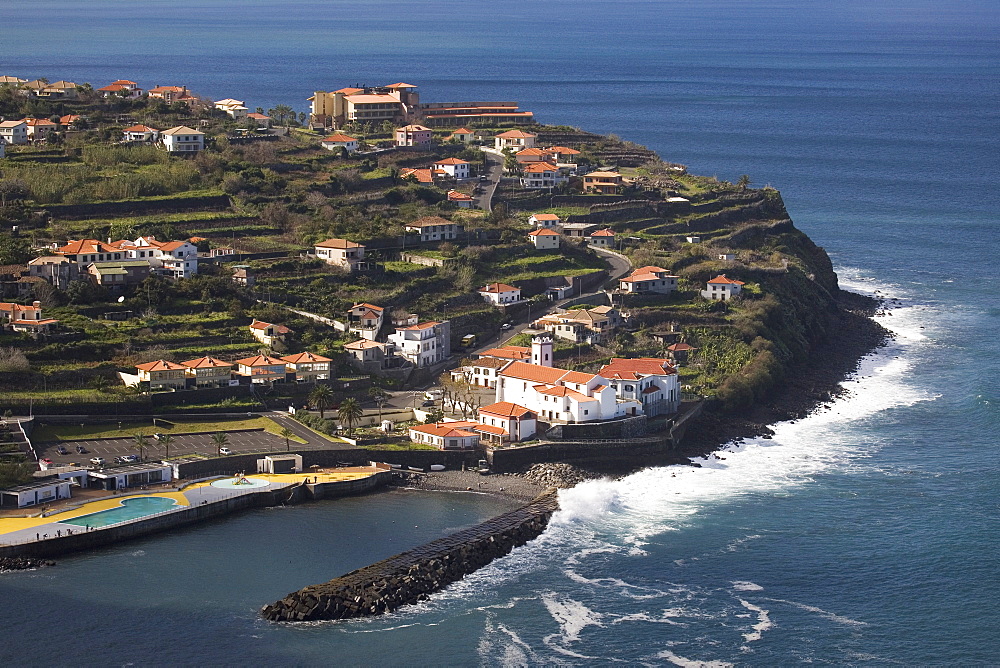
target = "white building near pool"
x: 34, y: 493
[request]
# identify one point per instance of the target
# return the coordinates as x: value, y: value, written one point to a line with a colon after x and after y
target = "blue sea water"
x: 865, y: 534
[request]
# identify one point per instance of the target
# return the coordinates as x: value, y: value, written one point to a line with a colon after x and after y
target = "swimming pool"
x: 129, y: 510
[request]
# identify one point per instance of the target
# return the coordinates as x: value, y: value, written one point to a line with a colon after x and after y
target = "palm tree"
x: 139, y: 443
x: 379, y: 396
x: 165, y: 440
x: 283, y: 112
x: 350, y: 413
x: 220, y: 438
x: 743, y: 182
x: 322, y: 398
x: 287, y: 434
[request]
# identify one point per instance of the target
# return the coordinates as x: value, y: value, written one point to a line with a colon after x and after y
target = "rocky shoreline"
x: 23, y: 563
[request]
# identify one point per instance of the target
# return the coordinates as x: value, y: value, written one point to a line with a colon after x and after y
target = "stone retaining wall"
x: 410, y: 576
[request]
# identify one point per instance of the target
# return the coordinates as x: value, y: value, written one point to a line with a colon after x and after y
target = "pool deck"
x: 15, y: 530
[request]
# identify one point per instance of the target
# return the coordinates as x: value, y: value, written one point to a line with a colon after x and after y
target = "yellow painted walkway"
x: 11, y: 524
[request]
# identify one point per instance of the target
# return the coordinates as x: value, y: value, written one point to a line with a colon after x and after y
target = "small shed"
x: 133, y: 475
x: 280, y: 464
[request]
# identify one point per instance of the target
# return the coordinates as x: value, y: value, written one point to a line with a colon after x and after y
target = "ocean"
x: 864, y: 534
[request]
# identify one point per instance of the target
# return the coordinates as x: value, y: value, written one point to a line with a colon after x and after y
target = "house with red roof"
x: 268, y: 333
x: 163, y: 375
x: 262, y: 369
x: 456, y: 168
x: 308, y: 367
x: 515, y: 140
x: 649, y: 279
x: 263, y: 120
x: 365, y: 320
x: 457, y: 435
x: 141, y: 133
x: 461, y: 200
x: 500, y: 294
x: 505, y: 422
x: 342, y: 253
x: 545, y: 239
x: 121, y: 88
x: 607, y: 183
x: 39, y: 128
x: 338, y: 141
x: 547, y: 220
x: 26, y: 318
x: 424, y: 344
x: 653, y: 381
x: 602, y: 238
x: 209, y: 372
x: 434, y: 228
x: 464, y: 135
x: 722, y: 289
x: 538, y: 175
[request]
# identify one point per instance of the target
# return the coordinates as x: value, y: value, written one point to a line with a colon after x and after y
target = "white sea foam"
x: 690, y: 663
x: 846, y: 621
x: 764, y: 622
x: 740, y: 585
x: 572, y: 616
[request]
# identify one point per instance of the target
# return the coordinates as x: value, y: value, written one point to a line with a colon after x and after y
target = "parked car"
x: 504, y: 327
x: 225, y: 451
x: 97, y: 461
x: 126, y: 459
x: 428, y: 402
x: 81, y: 450
x: 62, y: 450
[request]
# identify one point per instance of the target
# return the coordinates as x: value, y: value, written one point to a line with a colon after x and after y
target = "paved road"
x: 484, y: 199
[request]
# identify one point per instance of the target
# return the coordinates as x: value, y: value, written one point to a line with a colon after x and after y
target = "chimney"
x: 36, y: 304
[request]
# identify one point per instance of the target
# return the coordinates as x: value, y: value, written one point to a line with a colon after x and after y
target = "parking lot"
x: 182, y: 444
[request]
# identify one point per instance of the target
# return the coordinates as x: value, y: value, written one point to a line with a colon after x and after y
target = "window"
x: 586, y: 412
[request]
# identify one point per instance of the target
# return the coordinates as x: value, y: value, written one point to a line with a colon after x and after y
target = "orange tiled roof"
x: 422, y: 325
x: 456, y: 196
x: 515, y: 134
x: 339, y: 138
x: 508, y: 352
x: 680, y: 347
x: 368, y: 306
x: 306, y: 357
x: 543, y: 232
x: 533, y: 372
x: 506, y: 409
x: 362, y: 344
x: 490, y: 429
x: 578, y: 377
x: 421, y: 175
x: 498, y: 287
x: 562, y: 391
x: 606, y: 232
x: 643, y: 366
x: 531, y: 151
x: 206, y: 363
x: 338, y: 243
x: 260, y: 324
x: 140, y: 128
x: 545, y: 216
x: 447, y: 429
x: 261, y: 360
x: 540, y: 167
x: 721, y: 279
x: 451, y: 161
x: 160, y: 365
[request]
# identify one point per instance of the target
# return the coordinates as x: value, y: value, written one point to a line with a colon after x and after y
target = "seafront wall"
x: 87, y: 540
x: 410, y: 576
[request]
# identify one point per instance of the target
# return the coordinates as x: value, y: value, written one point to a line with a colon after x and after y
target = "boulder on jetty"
x: 22, y: 563
x: 411, y: 576
x: 558, y: 474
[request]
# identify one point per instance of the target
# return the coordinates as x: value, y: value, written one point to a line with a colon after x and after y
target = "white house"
x: 308, y: 367
x: 365, y: 320
x: 142, y: 133
x: 722, y: 289
x: 183, y: 139
x: 338, y: 141
x: 544, y: 239
x: 652, y: 381
x: 177, y: 259
x: 500, y: 293
x: 268, y: 333
x: 454, y: 167
x: 14, y: 132
x: 603, y: 238
x: 541, y: 175
x: 649, y: 279
x: 424, y: 344
x: 40, y: 128
x: 515, y: 140
x: 446, y: 435
x: 505, y: 421
x: 548, y: 220
x: 235, y: 108
x: 557, y: 395
x: 342, y: 253
x: 434, y: 228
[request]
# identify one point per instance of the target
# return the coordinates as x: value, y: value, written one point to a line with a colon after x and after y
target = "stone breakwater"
x: 411, y: 576
x: 22, y: 563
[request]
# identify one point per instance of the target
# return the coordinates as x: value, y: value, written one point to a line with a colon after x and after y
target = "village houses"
x: 338, y: 141
x: 546, y: 220
x: 434, y: 228
x: 649, y: 279
x: 25, y: 318
x: 182, y: 139
x: 500, y: 294
x: 413, y: 135
x: 308, y: 367
x: 454, y: 167
x: 459, y: 199
x: 545, y: 239
x: 365, y: 320
x: 516, y: 140
x: 722, y: 289
x: 269, y: 333
x: 208, y: 372
x: 424, y: 344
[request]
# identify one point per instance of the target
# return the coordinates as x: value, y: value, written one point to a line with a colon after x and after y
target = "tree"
x: 321, y: 398
x: 350, y: 413
x: 13, y: 190
x: 221, y: 439
x: 744, y: 182
x: 287, y: 434
x: 379, y: 396
x: 165, y: 440
x: 139, y: 443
